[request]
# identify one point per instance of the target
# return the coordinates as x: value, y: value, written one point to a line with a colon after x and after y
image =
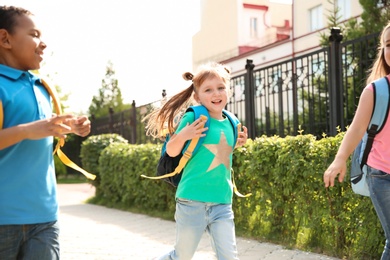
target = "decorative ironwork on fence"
x: 317, y: 92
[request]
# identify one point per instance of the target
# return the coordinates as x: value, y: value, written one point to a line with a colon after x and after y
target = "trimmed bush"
x: 59, y: 166
x: 289, y: 205
x: 90, y: 153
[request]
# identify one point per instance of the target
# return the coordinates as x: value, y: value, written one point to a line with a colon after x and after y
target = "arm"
x: 35, y: 130
x: 190, y: 131
x: 351, y: 139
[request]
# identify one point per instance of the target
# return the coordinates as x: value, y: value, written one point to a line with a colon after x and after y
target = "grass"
x: 71, y: 179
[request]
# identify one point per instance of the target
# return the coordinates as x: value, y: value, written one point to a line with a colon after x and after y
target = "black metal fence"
x: 316, y: 93
x: 128, y: 123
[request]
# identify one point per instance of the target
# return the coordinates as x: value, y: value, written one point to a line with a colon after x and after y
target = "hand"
x: 193, y: 130
x: 54, y: 126
x: 190, y: 131
x: 338, y: 166
x: 79, y: 125
x: 242, y: 137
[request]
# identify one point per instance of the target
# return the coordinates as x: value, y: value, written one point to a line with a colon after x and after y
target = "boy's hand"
x: 79, y: 125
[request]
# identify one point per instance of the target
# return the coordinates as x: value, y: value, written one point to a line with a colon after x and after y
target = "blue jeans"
x: 193, y: 219
x: 30, y: 242
x: 379, y: 186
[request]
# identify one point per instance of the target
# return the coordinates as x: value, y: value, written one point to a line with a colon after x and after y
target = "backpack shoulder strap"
x: 381, y: 103
x: 379, y: 115
x: 198, y: 112
x: 235, y: 123
x: 64, y: 159
x: 189, y: 149
x: 236, y: 128
x: 53, y: 95
x: 57, y: 106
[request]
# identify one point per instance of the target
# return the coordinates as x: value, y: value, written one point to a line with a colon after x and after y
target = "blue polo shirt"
x: 27, y: 178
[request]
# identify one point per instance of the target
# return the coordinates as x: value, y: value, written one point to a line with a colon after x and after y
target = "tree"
x: 375, y: 15
x: 333, y: 19
x: 109, y: 96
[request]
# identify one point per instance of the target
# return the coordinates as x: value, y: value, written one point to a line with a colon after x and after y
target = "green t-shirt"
x: 206, y: 176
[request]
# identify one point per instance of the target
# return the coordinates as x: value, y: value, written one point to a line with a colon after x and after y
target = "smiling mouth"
x: 40, y: 54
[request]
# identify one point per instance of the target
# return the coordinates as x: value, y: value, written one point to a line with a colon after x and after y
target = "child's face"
x: 386, y: 44
x: 212, y: 93
x: 25, y: 46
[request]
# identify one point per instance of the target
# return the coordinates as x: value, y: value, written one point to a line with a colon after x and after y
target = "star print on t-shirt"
x: 222, y: 152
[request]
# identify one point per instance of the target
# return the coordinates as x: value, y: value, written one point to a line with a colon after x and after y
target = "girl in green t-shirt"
x: 204, y: 194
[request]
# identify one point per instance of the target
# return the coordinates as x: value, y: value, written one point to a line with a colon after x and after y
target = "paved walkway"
x: 91, y: 232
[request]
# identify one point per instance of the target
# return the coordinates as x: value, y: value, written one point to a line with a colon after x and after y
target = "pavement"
x: 92, y: 232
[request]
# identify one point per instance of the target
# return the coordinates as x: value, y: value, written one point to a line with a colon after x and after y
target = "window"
x: 344, y: 7
x: 316, y: 18
x: 253, y: 27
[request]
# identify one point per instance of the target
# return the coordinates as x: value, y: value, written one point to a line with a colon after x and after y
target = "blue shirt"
x: 27, y: 178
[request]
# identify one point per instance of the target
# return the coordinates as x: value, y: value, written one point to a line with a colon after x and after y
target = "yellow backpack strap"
x: 184, y: 159
x: 61, y: 141
x: 235, y: 188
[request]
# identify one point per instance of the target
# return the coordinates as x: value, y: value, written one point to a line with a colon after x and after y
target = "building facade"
x: 264, y: 31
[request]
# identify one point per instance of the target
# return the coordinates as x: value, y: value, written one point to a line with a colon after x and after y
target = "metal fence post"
x: 122, y: 124
x: 336, y: 100
x: 111, y: 119
x: 93, y: 128
x: 133, y: 123
x: 250, y: 99
x: 280, y: 103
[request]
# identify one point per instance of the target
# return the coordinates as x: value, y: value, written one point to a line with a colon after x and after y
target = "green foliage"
x: 374, y: 17
x: 90, y: 153
x: 109, y: 97
x: 289, y: 205
x: 121, y: 166
x: 333, y: 19
x: 59, y: 167
x: 63, y: 97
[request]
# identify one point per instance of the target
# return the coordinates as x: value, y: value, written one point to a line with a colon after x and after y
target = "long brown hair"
x: 379, y: 68
x: 167, y: 117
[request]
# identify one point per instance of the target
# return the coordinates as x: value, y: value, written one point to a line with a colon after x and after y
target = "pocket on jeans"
x: 376, y: 173
x: 183, y: 201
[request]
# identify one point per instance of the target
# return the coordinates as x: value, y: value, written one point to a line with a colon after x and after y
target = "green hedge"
x: 59, y: 167
x: 90, y: 153
x: 289, y: 205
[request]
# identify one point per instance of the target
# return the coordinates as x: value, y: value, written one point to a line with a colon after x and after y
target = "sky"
x: 149, y: 43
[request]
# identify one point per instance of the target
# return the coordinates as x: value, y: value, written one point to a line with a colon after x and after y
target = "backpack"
x: 170, y: 169
x: 378, y: 119
x: 61, y: 141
